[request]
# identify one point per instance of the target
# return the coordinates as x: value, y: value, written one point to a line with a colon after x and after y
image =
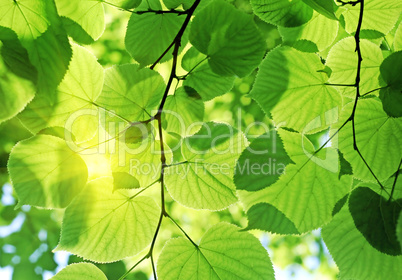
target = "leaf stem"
x: 340, y: 85
x: 192, y: 69
x: 134, y: 266
x: 144, y: 189
x: 182, y: 230
x: 371, y: 91
x: 396, y: 178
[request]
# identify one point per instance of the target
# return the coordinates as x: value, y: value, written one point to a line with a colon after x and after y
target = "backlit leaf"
x: 376, y: 219
x: 85, y: 16
x: 74, y: 107
x: 307, y: 192
x: 290, y: 87
x: 99, y: 224
x: 283, y: 12
x: 15, y: 93
x: 324, y: 7
x: 266, y: 217
x: 378, y: 137
x: 224, y: 253
x: 354, y: 256
x: 39, y: 29
x: 319, y: 30
x: 378, y: 15
x: 204, y: 179
x: 261, y: 163
x: 45, y: 172
x: 342, y: 59
x: 391, y: 96
x: 229, y: 38
x: 80, y: 271
x: 183, y: 112
x: 148, y: 36
x: 130, y: 93
x: 207, y: 83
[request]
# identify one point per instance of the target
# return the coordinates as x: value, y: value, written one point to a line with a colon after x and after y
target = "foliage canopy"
x: 113, y: 149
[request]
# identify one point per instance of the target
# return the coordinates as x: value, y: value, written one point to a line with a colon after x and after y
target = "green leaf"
x: 378, y: 137
x: 123, y: 180
x: 342, y: 59
x: 261, y: 163
x: 87, y: 15
x: 224, y: 253
x: 80, y: 271
x: 201, y: 78
x: 324, y: 7
x: 319, y: 30
x: 100, y: 224
x: 183, y: 112
x: 290, y: 87
x: 354, y: 256
x: 339, y: 205
x: 149, y: 35
x: 130, y: 93
x: 204, y: 179
x: 391, y: 96
x: 399, y: 230
x: 45, y: 172
x: 15, y: 56
x: 346, y: 168
x: 282, y: 12
x: 172, y: 4
x: 266, y: 217
x: 378, y: 15
x: 126, y: 4
x: 308, y: 190
x: 74, y: 107
x: 371, y: 34
x: 229, y: 38
x: 376, y: 219
x: 38, y: 27
x: 398, y: 38
x: 15, y: 93
x: 142, y: 162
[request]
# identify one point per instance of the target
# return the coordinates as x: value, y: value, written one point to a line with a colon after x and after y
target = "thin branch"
x: 357, y: 84
x: 182, y: 230
x: 323, y: 145
x: 340, y: 85
x: 158, y: 116
x: 177, y: 39
x: 159, y: 12
x: 176, y: 43
x: 192, y: 69
x: 118, y: 7
x: 144, y: 189
x: 396, y: 178
x: 178, y: 163
x: 134, y: 266
x: 371, y: 91
x: 353, y: 3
